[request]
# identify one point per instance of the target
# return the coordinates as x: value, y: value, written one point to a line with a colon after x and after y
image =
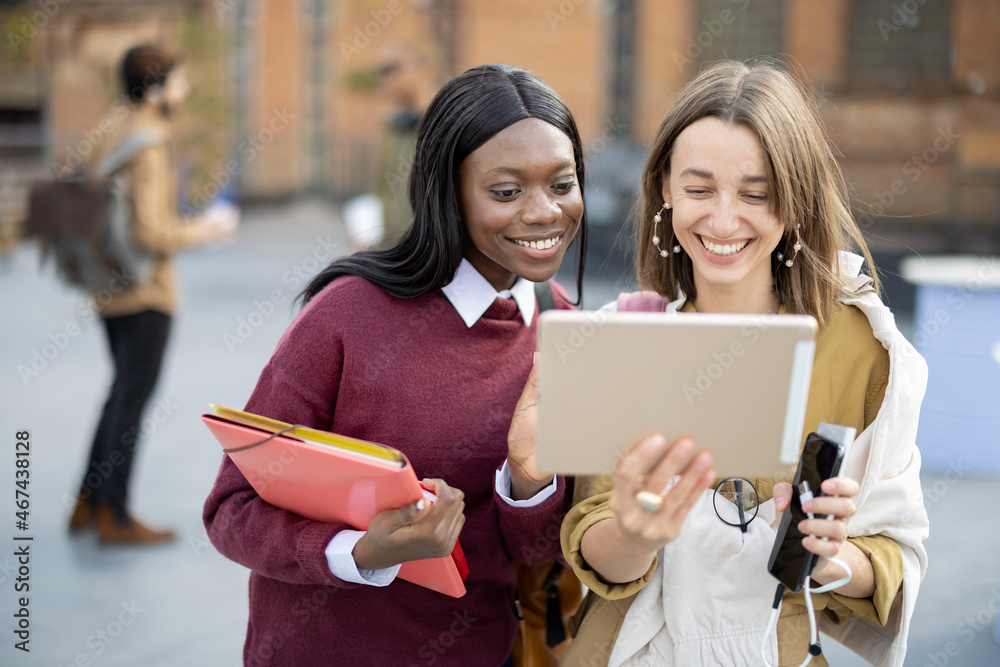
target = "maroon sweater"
x: 410, y: 374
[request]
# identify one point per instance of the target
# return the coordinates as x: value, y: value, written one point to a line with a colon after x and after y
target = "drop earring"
x: 795, y: 249
x: 657, y: 219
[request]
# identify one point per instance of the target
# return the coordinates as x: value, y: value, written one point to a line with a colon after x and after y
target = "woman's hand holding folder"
x: 411, y: 532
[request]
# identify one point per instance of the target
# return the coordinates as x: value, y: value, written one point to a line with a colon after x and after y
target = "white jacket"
x: 690, y: 615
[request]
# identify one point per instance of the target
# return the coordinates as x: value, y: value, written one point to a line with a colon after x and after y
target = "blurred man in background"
x: 137, y: 318
x: 406, y: 79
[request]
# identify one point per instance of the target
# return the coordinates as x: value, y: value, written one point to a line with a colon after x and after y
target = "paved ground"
x: 183, y: 604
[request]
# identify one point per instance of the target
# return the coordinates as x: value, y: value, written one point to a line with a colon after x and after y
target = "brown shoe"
x: 83, y: 515
x: 112, y: 531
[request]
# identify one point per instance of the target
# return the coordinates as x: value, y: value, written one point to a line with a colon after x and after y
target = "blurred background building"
x: 284, y: 91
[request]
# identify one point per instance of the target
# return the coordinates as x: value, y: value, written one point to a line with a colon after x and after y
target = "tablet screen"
x: 737, y: 384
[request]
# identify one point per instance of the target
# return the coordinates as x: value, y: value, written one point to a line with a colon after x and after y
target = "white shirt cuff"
x: 503, y: 488
x: 340, y: 559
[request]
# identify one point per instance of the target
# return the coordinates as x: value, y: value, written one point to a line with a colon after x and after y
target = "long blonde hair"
x: 806, y: 182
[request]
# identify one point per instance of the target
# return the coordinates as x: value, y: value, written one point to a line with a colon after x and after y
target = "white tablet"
x: 737, y: 384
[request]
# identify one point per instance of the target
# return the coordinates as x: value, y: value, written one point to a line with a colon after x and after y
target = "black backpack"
x: 85, y: 223
x: 547, y: 594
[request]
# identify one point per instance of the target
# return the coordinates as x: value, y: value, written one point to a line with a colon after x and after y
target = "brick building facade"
x: 910, y: 88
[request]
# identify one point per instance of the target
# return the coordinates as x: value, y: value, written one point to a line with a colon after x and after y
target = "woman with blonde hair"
x: 744, y: 209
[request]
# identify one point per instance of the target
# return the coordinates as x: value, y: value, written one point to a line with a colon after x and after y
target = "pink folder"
x: 331, y: 478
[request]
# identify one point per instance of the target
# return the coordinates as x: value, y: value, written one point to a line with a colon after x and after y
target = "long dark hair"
x: 466, y: 113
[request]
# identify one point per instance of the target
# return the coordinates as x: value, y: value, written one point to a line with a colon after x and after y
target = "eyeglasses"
x: 738, y: 492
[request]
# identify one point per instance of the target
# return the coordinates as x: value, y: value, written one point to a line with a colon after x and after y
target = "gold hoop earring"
x: 795, y: 248
x: 657, y: 219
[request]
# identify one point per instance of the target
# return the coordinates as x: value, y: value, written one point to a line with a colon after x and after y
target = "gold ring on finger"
x: 651, y: 502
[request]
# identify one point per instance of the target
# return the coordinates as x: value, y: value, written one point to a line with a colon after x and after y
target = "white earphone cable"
x: 814, y: 645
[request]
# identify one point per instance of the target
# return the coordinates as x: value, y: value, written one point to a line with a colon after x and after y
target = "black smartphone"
x: 790, y: 562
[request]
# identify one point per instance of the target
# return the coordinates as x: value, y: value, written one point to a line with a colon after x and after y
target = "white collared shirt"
x: 471, y: 295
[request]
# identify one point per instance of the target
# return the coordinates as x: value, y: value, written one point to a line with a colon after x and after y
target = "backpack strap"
x: 544, y: 297
x: 128, y: 149
x: 646, y: 301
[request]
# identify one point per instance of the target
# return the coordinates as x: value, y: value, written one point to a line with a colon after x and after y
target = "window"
x: 900, y: 44
x: 738, y: 29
